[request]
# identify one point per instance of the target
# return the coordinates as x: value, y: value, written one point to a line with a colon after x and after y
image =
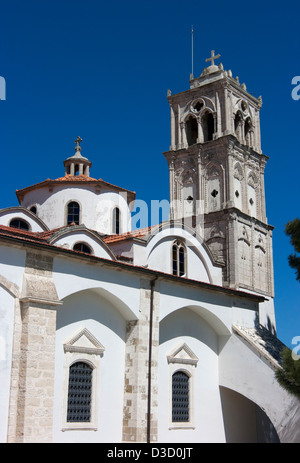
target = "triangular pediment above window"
x: 183, y: 354
x: 84, y: 342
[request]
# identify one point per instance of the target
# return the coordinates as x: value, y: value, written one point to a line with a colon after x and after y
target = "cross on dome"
x: 213, y: 57
x: 78, y: 141
x: 77, y: 164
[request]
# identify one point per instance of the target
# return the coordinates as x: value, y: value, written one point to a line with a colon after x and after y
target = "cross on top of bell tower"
x: 213, y: 57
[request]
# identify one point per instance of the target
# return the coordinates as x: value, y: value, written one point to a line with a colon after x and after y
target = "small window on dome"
x: 116, y: 221
x: 82, y: 247
x: 33, y: 209
x: 73, y: 213
x: 19, y: 223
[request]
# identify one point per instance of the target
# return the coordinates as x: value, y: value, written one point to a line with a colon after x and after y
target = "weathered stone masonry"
x: 32, y: 381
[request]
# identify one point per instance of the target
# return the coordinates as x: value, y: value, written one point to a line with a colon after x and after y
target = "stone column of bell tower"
x: 217, y: 175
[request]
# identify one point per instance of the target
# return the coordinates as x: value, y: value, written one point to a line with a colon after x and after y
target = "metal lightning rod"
x: 192, y: 31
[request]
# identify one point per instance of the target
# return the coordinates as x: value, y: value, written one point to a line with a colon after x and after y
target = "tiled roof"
x: 24, y: 234
x: 76, y: 178
x: 79, y: 179
x: 124, y: 236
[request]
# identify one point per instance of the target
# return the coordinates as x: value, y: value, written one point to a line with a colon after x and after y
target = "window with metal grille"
x: 73, y: 213
x: 180, y: 397
x: 79, y: 393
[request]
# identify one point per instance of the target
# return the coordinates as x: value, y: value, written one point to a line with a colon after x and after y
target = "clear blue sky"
x: 101, y: 70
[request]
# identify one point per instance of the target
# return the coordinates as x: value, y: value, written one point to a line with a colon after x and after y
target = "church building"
x: 165, y: 334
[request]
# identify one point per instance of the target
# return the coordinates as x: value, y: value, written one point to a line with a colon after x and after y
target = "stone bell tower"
x: 216, y: 170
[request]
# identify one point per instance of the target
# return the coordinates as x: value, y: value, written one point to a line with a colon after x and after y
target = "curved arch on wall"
x: 24, y: 214
x: 191, y: 240
x: 10, y: 287
x: 235, y: 430
x: 164, y: 227
x: 123, y: 308
x: 218, y: 326
x: 211, y: 166
x: 207, y: 103
x: 77, y: 229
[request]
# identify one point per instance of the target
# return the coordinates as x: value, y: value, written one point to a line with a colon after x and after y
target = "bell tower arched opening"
x: 191, y: 130
x: 208, y: 126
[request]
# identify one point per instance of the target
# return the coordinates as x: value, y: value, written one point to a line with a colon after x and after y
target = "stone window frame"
x: 90, y: 354
x: 187, y: 365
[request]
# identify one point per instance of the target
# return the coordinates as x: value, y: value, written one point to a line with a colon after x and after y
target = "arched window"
x: 73, y: 213
x: 248, y: 127
x: 82, y: 247
x: 180, y: 397
x: 33, y: 209
x: 116, y: 221
x: 19, y: 223
x: 178, y: 259
x: 208, y: 126
x: 79, y: 393
x: 238, y: 121
x: 191, y: 130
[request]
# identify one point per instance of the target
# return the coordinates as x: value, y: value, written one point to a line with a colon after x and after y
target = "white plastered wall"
x: 96, y: 208
x: 87, y: 309
x: 68, y: 240
x: 6, y: 216
x: 185, y: 326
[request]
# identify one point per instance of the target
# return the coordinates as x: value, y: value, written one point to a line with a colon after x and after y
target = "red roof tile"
x: 80, y: 179
x: 124, y: 236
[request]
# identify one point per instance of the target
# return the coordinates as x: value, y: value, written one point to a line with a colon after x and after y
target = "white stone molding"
x: 182, y: 359
x: 183, y: 355
x: 84, y: 342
